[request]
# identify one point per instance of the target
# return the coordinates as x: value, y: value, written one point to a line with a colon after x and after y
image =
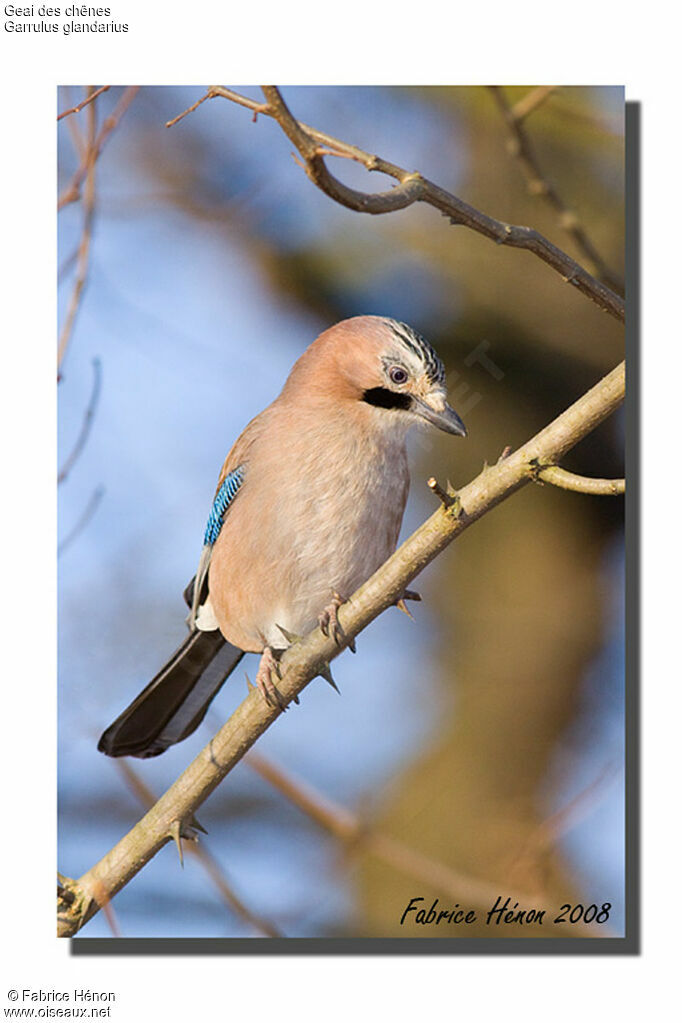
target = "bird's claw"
x: 331, y: 626
x: 270, y: 692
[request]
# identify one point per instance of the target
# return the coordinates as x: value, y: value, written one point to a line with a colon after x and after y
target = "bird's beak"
x: 445, y: 419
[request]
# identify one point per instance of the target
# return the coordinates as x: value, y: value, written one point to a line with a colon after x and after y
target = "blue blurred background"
x: 489, y: 733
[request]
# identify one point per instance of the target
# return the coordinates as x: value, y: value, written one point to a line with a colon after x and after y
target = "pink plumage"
x: 325, y: 482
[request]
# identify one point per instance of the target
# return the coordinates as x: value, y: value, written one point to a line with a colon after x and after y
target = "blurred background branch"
x: 88, y: 419
x: 520, y: 147
x: 86, y: 171
x: 82, y: 521
x: 96, y: 143
x: 83, y: 103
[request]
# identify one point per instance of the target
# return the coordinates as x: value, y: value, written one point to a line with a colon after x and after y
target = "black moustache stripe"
x: 382, y: 397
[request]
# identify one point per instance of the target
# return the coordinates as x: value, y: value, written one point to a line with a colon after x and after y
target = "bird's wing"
x: 228, y: 488
x: 230, y: 481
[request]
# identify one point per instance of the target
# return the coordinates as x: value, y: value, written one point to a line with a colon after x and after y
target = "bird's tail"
x: 174, y: 703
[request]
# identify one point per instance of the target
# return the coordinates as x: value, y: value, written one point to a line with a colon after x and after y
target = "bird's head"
x: 382, y: 364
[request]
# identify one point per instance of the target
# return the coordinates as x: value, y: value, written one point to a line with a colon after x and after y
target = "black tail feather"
x: 174, y: 703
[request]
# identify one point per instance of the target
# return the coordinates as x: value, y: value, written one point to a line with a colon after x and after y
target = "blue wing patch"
x: 223, y: 499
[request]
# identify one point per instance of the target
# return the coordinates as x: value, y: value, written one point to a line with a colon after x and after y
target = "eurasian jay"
x: 308, y: 505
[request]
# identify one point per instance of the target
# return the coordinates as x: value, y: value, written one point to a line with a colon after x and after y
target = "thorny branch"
x: 171, y: 817
x: 519, y: 146
x: 314, y: 145
x: 146, y: 797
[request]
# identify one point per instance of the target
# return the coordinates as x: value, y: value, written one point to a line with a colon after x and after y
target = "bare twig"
x: 83, y: 259
x: 147, y: 798
x: 86, y: 426
x: 86, y: 172
x: 306, y: 659
x: 73, y: 190
x: 519, y: 146
x: 413, y: 187
x: 77, y: 137
x: 79, y: 106
x: 190, y: 110
x: 559, y: 477
x: 88, y: 513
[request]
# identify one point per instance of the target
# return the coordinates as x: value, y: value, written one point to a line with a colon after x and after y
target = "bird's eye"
x: 398, y: 375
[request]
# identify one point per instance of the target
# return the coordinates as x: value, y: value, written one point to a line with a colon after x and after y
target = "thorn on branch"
x: 326, y: 674
x: 177, y: 831
x: 174, y: 832
x: 147, y: 799
x: 448, y: 498
x: 402, y: 606
x: 291, y: 637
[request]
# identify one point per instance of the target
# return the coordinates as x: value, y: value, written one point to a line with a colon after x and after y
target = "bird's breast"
x: 318, y: 517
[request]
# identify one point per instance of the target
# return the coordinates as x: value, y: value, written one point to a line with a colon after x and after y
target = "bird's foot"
x: 268, y: 665
x: 330, y: 624
x: 407, y: 595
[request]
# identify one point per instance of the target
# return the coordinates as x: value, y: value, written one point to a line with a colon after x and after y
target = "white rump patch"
x: 206, y: 620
